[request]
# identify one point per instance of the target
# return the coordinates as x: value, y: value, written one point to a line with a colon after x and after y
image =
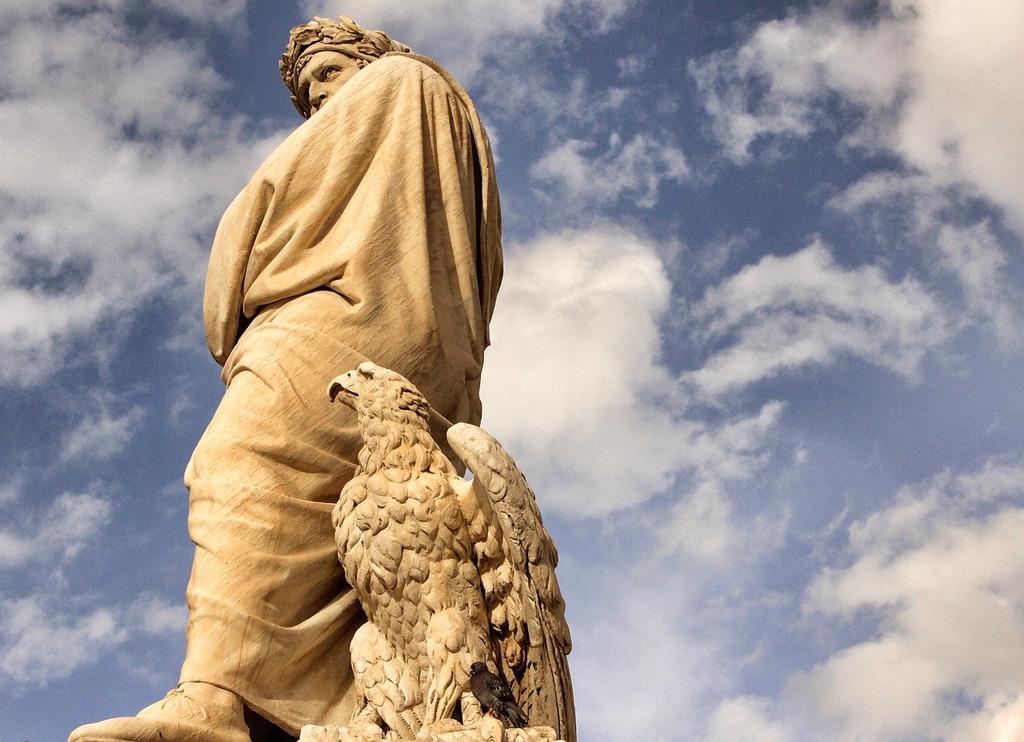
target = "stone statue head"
x: 342, y: 36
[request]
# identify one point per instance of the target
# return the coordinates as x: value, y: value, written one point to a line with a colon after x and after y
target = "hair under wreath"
x: 344, y: 35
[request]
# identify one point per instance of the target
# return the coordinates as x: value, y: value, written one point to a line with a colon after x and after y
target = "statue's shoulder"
x: 404, y: 61
x: 409, y: 64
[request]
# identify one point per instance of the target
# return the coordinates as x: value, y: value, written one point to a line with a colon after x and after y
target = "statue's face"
x: 323, y: 76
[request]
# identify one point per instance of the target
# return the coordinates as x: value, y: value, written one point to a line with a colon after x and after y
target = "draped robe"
x: 371, y: 233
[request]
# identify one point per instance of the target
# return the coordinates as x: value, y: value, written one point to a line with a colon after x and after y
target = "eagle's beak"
x: 342, y: 385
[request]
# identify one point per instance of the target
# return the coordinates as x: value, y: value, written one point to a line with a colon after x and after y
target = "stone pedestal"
x: 489, y: 730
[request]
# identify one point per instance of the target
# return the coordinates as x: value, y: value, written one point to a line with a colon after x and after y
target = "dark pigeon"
x: 495, y: 696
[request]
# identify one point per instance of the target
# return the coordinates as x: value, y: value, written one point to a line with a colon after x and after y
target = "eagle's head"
x: 379, y: 393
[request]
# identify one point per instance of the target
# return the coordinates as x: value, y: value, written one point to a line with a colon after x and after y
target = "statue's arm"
x: 225, y: 278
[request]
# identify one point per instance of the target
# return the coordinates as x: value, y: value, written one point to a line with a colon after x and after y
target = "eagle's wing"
x: 523, y: 598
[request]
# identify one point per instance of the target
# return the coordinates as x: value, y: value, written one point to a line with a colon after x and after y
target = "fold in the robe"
x: 386, y: 196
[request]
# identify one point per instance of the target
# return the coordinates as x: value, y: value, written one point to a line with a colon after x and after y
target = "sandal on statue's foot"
x: 192, y: 712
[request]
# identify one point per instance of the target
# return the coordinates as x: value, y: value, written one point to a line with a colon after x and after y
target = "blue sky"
x: 758, y: 348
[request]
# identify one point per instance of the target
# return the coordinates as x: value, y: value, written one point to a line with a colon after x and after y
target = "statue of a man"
x: 371, y: 233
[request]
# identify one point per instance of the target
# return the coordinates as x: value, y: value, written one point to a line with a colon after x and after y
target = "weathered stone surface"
x: 490, y: 730
x: 462, y: 572
x: 371, y: 233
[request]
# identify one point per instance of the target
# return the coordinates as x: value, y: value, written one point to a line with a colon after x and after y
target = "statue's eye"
x: 330, y: 72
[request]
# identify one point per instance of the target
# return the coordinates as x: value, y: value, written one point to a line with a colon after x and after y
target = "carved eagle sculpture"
x: 449, y: 572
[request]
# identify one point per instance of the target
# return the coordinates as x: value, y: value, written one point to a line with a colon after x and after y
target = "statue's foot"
x: 193, y: 712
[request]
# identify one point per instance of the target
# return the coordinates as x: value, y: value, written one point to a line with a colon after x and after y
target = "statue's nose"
x: 317, y: 96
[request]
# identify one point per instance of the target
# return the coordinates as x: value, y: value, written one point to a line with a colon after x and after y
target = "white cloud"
x: 572, y: 379
x: 38, y: 647
x: 931, y: 81
x: 102, y: 435
x: 803, y: 309
x: 41, y: 643
x: 634, y: 169
x: 918, y: 207
x: 45, y: 632
x: 941, y: 575
x: 638, y: 672
x: 461, y: 33
x: 10, y: 490
x: 632, y: 65
x: 200, y: 11
x: 773, y: 83
x: 62, y: 530
x: 967, y: 110
x: 574, y: 387
x: 746, y: 719
x: 973, y: 254
x: 115, y: 171
x: 197, y: 11
x: 700, y: 525
x: 153, y: 616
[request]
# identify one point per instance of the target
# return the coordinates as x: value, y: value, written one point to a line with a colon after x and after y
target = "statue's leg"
x: 453, y: 644
x: 270, y: 616
x: 389, y: 685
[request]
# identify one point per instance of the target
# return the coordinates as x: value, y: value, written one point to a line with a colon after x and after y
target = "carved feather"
x: 449, y: 572
x: 543, y: 679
